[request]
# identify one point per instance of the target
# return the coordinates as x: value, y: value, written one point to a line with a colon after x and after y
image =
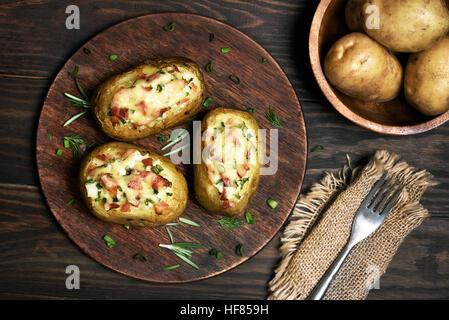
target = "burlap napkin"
x: 321, y: 223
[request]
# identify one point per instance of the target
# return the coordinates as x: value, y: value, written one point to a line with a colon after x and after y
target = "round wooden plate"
x: 262, y: 85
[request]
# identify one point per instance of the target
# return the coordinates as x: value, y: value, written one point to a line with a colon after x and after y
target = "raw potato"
x: 427, y: 79
x: 156, y: 95
x: 226, y: 180
x: 404, y: 26
x: 121, y: 185
x: 361, y: 68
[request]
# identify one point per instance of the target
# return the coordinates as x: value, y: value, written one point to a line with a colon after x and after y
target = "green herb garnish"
x: 225, y: 49
x: 207, y: 102
x: 208, y: 67
x: 316, y: 148
x: 140, y: 257
x: 273, y: 118
x: 182, y: 253
x: 250, y: 110
x: 162, y: 138
x: 73, y: 118
x: 157, y: 169
x: 109, y: 241
x: 74, y: 143
x: 172, y: 267
x: 249, y: 218
x: 189, y: 222
x: 234, y: 78
x: 239, y: 250
x: 231, y: 222
x: 169, y: 27
x: 126, y: 226
x: 159, y: 87
x: 90, y: 181
x: 87, y: 50
x: 272, y: 203
x: 112, y: 57
x: 59, y: 152
x: 49, y: 136
x: 216, y: 253
x: 170, y: 236
x: 70, y: 202
x: 263, y: 60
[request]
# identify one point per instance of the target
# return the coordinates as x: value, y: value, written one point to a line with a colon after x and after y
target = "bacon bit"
x: 153, y: 77
x: 176, y: 68
x: 148, y: 89
x: 126, y: 153
x: 210, y: 169
x: 224, y: 196
x: 142, y: 76
x: 91, y: 169
x: 236, y: 141
x: 160, y: 207
x: 241, y: 170
x: 194, y: 87
x: 143, y: 107
x: 135, y: 202
x: 159, y: 112
x: 229, y: 121
x: 228, y: 204
x: 109, y: 184
x: 182, y: 101
x: 118, y: 114
x: 102, y: 157
x: 135, y: 183
x: 148, y: 162
x: 109, y: 206
x: 144, y: 174
x: 226, y: 180
x: 126, y: 207
x: 159, y: 182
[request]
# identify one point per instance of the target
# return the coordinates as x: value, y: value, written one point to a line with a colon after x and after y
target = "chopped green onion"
x: 249, y: 217
x: 234, y: 78
x: 157, y: 169
x: 231, y: 222
x: 169, y: 27
x: 140, y: 257
x: 316, y: 148
x: 74, y: 143
x: 250, y: 110
x: 273, y: 118
x: 75, y: 71
x: 162, y: 138
x: 49, y: 136
x: 188, y: 222
x: 263, y: 60
x: 159, y: 87
x: 172, y: 224
x: 112, y: 57
x: 225, y: 49
x: 109, y: 241
x: 239, y: 250
x: 272, y: 203
x: 66, y: 144
x: 172, y: 267
x: 208, y: 67
x: 76, y: 116
x: 126, y: 226
x: 211, y: 37
x: 70, y: 202
x: 90, y: 181
x: 216, y: 253
x: 207, y: 102
x: 87, y: 50
x: 59, y: 152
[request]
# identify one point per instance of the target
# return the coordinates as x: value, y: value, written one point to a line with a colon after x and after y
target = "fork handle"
x: 322, y: 286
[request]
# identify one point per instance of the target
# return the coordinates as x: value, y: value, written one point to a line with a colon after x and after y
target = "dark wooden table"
x: 34, y: 251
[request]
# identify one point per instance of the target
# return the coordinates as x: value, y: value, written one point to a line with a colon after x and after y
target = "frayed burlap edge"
x: 310, y: 207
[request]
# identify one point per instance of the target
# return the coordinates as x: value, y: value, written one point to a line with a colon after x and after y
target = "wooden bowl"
x: 394, y: 117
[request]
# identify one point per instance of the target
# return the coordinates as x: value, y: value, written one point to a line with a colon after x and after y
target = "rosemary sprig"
x: 182, y: 253
x: 273, y: 118
x: 74, y: 75
x: 189, y: 222
x: 77, y: 101
x: 74, y: 142
x: 73, y: 118
x: 231, y: 222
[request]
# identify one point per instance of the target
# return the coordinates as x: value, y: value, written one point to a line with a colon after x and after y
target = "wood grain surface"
x: 262, y: 85
x: 34, y: 250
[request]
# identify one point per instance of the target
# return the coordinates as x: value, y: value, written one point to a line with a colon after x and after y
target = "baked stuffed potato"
x: 126, y: 184
x: 156, y: 95
x: 228, y: 175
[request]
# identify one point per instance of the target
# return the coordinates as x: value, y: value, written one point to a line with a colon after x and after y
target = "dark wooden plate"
x: 262, y: 85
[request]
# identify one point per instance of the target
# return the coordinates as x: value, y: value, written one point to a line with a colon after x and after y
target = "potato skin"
x: 427, y: 79
x: 142, y: 218
x: 405, y: 26
x: 206, y: 193
x: 105, y: 92
x: 361, y: 68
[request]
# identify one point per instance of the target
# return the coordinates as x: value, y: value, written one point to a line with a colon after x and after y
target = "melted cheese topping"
x: 153, y: 95
x: 230, y: 156
x: 127, y: 180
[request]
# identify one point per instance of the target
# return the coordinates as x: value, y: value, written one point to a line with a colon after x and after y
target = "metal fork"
x: 370, y: 215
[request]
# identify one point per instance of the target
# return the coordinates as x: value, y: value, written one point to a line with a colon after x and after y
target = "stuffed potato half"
x: 126, y: 184
x: 228, y: 175
x: 156, y: 95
